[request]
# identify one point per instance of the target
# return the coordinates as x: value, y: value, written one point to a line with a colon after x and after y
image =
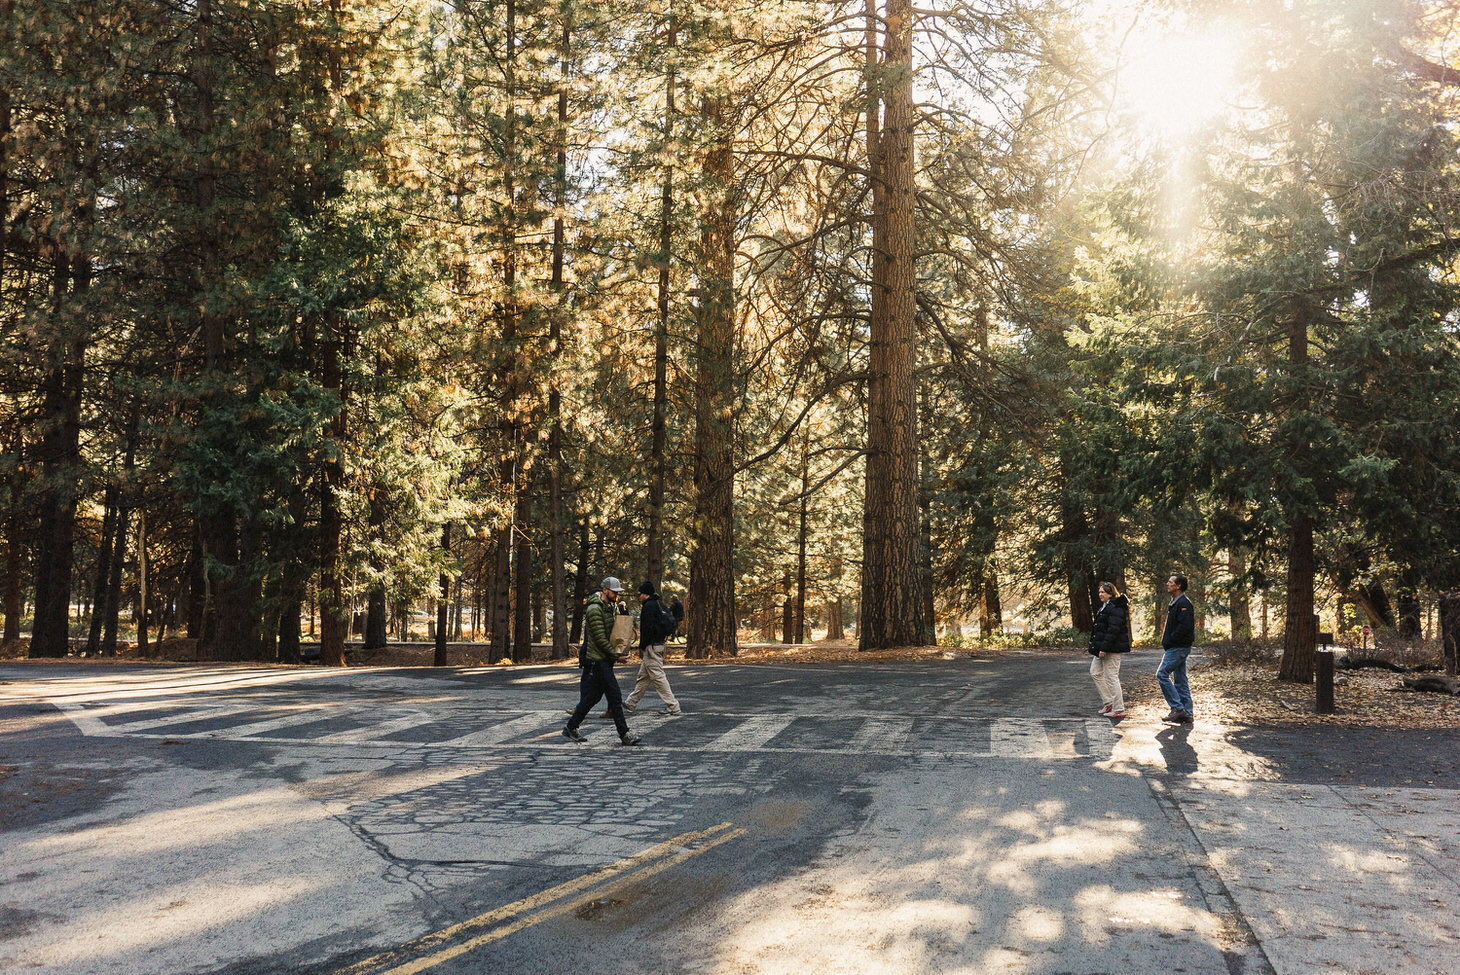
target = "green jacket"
x: 598, y: 627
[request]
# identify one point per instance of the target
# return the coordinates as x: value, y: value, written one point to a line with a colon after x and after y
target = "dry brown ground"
x: 1250, y: 694
x: 1245, y: 693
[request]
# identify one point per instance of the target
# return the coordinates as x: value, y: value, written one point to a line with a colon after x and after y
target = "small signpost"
x: 1323, y: 674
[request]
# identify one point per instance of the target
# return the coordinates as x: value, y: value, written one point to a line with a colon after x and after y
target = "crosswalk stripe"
x: 882, y: 735
x: 184, y: 717
x: 507, y: 730
x: 304, y: 716
x: 751, y: 733
x: 1008, y: 737
x: 1018, y: 738
x: 89, y: 724
x: 1102, y: 737
x: 377, y: 732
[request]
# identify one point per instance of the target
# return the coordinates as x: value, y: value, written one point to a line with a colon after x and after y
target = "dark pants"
x: 597, y: 681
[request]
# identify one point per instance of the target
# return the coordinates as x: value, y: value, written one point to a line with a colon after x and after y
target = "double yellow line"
x: 437, y: 947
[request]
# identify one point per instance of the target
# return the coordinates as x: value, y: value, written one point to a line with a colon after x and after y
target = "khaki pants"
x: 651, y: 671
x: 1106, y: 671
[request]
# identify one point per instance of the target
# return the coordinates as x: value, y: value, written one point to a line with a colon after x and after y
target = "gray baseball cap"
x: 612, y: 585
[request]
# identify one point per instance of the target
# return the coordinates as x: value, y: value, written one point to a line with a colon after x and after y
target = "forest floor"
x: 1237, y: 688
x: 1250, y: 694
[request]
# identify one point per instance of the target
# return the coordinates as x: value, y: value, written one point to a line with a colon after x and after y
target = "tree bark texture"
x: 332, y: 613
x: 580, y: 586
x: 443, y: 603
x: 103, y: 567
x: 712, y: 620
x: 1408, y: 616
x: 1239, y: 603
x: 658, y: 459
x: 59, y: 458
x: 142, y: 582
x: 990, y: 612
x: 892, y: 611
x: 1300, y: 633
x: 1450, y: 631
x: 522, y: 623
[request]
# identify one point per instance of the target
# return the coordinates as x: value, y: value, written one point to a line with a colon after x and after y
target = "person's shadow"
x: 1176, y: 751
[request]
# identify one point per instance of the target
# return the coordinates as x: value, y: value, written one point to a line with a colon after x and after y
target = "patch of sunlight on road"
x: 988, y: 878
x: 89, y: 687
x: 560, y: 676
x: 1037, y: 924
x: 178, y: 915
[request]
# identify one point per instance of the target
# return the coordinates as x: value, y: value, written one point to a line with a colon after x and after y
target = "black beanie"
x: 646, y: 587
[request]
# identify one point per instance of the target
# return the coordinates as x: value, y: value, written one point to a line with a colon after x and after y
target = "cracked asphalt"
x: 959, y: 816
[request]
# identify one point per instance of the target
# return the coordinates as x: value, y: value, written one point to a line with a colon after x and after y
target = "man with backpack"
x: 656, y: 623
x: 597, y: 659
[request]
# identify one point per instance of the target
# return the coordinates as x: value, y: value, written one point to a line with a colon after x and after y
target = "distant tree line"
x: 819, y: 315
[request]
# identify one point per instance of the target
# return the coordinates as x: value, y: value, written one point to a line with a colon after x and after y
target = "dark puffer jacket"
x: 1111, y: 630
x: 597, y: 628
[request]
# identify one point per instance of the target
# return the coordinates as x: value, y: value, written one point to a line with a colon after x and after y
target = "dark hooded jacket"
x: 1110, y: 632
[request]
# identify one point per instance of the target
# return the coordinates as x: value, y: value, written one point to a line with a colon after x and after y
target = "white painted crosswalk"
x: 341, y: 725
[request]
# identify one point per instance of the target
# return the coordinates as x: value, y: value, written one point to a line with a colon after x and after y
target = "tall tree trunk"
x: 111, y: 608
x: 376, y: 624
x: 658, y: 463
x: 869, y: 617
x: 892, y: 611
x: 443, y: 603
x: 1075, y: 530
x: 142, y: 580
x: 557, y: 556
x: 1450, y: 631
x: 109, y: 506
x: 522, y: 625
x: 14, y: 563
x: 835, y: 624
x: 194, y: 595
x: 1375, y: 602
x: 1300, y: 633
x: 788, y: 611
x: 990, y: 611
x: 60, y: 465
x: 512, y: 427
x: 712, y: 569
x: 1240, y: 603
x: 1407, y: 599
x: 925, y: 549
x: 333, y: 616
x: 800, y: 625
x: 14, y: 596
x: 113, y: 605
x: 580, y: 584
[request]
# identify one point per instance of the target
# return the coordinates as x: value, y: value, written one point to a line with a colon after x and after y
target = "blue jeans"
x: 598, y: 681
x: 1171, y: 675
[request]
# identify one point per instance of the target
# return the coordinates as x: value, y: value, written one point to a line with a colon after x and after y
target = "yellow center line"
x: 506, y: 912
x: 556, y: 910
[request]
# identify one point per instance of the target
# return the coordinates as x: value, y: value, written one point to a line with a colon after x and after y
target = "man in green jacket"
x: 597, y: 663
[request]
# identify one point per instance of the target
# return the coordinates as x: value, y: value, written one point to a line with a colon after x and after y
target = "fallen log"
x: 1369, y: 663
x: 1433, y: 683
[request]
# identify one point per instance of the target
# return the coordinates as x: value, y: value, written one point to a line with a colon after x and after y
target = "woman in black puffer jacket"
x: 1109, y: 640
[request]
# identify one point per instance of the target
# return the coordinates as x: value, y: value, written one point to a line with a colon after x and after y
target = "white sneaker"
x: 1106, y: 710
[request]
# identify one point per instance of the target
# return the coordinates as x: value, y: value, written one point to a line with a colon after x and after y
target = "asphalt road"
x: 963, y: 816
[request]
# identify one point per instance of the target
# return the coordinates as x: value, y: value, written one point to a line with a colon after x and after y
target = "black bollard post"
x: 1324, y: 674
